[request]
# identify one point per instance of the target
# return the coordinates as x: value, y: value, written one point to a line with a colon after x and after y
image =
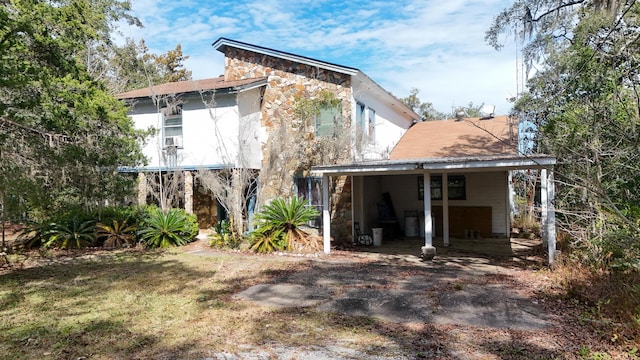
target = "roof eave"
x: 228, y: 89
x: 221, y: 43
x: 390, y: 167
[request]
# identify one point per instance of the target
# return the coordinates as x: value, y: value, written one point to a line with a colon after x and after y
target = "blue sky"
x: 435, y: 46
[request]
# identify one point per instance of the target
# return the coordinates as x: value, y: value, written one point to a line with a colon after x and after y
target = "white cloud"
x: 433, y: 45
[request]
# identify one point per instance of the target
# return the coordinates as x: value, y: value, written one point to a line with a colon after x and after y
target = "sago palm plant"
x: 117, y: 235
x: 161, y: 229
x: 279, y: 226
x: 73, y: 233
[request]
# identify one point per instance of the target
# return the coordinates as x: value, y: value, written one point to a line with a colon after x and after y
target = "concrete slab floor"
x: 491, y: 247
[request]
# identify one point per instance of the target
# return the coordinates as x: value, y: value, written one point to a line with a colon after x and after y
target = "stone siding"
x: 287, y: 81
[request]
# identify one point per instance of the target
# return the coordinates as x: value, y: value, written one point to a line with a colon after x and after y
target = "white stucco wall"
x: 390, y: 122
x: 482, y: 188
x: 250, y: 132
x: 212, y: 136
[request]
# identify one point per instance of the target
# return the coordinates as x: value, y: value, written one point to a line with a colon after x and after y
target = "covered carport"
x: 500, y: 168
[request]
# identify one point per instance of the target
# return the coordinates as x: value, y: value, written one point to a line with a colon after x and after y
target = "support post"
x: 188, y: 192
x: 142, y: 189
x: 326, y: 218
x: 551, y: 218
x: 544, y: 206
x: 428, y: 226
x: 428, y: 251
x: 509, y: 204
x: 445, y: 209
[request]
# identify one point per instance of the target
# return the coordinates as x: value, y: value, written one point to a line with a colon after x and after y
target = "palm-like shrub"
x: 73, y: 233
x: 279, y: 226
x: 34, y: 234
x: 222, y: 235
x: 173, y: 228
x: 117, y: 235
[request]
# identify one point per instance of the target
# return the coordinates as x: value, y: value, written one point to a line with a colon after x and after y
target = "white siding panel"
x: 211, y: 136
x: 251, y: 132
x: 390, y: 125
x: 483, y: 189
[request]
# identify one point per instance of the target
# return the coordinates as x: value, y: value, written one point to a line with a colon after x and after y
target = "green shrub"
x: 222, y: 235
x: 132, y: 214
x: 279, y: 226
x: 34, y: 234
x: 76, y: 233
x: 173, y: 228
x: 119, y: 234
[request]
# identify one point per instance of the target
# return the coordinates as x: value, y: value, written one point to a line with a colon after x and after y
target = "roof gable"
x: 222, y: 43
x: 441, y: 139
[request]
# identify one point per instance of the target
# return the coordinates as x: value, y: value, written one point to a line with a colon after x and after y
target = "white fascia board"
x: 250, y: 86
x: 374, y: 87
x: 503, y: 164
x: 365, y: 169
x: 222, y: 42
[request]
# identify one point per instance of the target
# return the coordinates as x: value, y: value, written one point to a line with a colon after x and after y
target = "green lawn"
x: 141, y: 304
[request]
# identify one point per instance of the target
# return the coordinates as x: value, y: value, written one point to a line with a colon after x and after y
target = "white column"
x: 544, y: 205
x: 510, y: 204
x: 428, y: 226
x: 326, y: 219
x: 551, y: 218
x: 188, y: 192
x: 445, y: 209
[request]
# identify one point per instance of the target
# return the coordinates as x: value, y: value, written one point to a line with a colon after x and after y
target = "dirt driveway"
x: 402, y: 289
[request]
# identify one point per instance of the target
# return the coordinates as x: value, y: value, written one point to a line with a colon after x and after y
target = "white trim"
x: 428, y: 226
x: 364, y: 170
x: 483, y: 164
x: 326, y: 218
x: 222, y: 42
x: 408, y: 166
x: 551, y: 217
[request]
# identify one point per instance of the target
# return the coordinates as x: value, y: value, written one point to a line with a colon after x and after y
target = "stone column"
x: 142, y: 189
x: 188, y: 192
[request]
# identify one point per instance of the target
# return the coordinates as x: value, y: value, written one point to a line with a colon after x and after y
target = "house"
x: 274, y: 113
x: 449, y: 177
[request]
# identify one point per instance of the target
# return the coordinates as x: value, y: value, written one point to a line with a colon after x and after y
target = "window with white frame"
x: 172, y: 126
x: 371, y: 128
x: 365, y: 124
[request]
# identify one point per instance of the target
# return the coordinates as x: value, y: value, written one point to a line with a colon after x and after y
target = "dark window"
x: 456, y: 186
x: 371, y: 130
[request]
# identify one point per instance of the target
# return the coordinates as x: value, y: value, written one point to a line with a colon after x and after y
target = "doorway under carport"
x: 426, y: 168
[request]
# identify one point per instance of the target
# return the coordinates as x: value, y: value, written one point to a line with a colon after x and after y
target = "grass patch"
x: 155, y: 304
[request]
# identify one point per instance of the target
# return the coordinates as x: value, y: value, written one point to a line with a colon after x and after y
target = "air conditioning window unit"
x: 173, y: 141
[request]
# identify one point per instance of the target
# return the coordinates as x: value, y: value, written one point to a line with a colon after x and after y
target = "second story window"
x: 371, y: 126
x: 172, y: 126
x: 365, y: 125
x: 326, y: 122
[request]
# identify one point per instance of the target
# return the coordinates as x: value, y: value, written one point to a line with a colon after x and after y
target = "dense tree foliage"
x: 131, y: 66
x: 583, y: 101
x: 62, y: 136
x: 428, y: 112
